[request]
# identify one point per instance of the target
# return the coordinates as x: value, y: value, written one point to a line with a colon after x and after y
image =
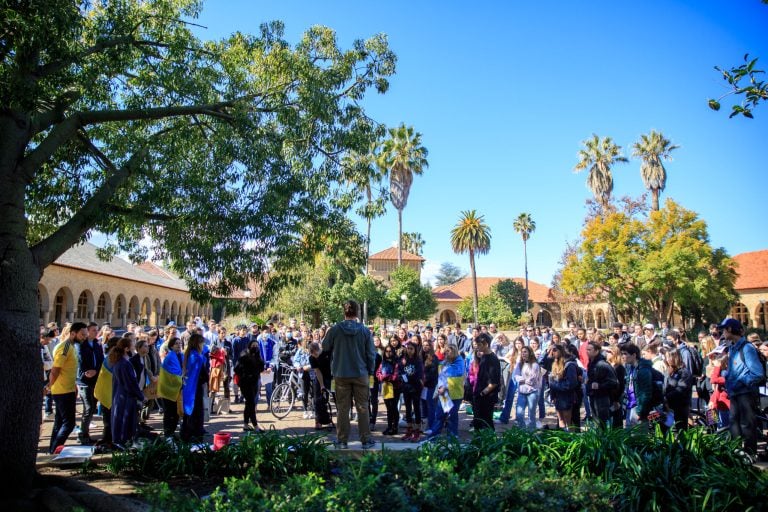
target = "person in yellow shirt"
x: 62, y: 386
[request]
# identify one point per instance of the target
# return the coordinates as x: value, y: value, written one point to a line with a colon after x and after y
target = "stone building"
x: 752, y: 286
x: 544, y: 309
x: 383, y: 263
x: 80, y: 287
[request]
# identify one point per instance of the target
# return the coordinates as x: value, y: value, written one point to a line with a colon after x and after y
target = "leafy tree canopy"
x: 449, y: 274
x: 221, y: 152
x: 420, y: 304
x: 665, y: 259
x: 494, y: 306
x: 512, y: 294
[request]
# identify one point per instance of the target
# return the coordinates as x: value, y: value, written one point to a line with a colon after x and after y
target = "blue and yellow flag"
x: 169, y: 380
x: 194, y: 365
x: 103, y: 389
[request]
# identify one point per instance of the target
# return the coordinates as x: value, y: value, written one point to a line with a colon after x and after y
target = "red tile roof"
x: 463, y: 288
x: 391, y: 254
x: 752, y: 268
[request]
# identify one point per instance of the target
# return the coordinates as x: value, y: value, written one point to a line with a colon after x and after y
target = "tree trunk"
x: 474, y: 284
x: 525, y: 256
x: 655, y: 194
x: 21, y: 371
x: 399, y: 237
x: 367, y: 257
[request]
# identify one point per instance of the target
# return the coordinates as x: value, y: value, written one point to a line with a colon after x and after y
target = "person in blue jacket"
x: 127, y: 397
x: 743, y: 378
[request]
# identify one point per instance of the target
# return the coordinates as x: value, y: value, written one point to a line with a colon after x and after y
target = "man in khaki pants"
x: 352, y: 363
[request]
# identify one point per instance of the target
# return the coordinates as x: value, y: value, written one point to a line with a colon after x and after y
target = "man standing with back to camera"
x: 353, y: 357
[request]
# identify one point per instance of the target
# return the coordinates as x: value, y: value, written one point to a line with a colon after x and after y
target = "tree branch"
x: 46, y: 251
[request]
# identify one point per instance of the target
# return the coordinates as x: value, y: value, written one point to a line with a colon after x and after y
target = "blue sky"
x: 505, y: 92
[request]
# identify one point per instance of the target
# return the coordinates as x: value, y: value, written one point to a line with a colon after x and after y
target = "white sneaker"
x: 306, y: 415
x: 463, y: 406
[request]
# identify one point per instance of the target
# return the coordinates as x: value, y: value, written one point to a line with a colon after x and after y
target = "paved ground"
x: 294, y: 423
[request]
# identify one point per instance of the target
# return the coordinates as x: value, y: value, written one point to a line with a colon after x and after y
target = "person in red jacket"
x: 719, y: 400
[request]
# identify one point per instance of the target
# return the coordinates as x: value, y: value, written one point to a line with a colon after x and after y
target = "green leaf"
x: 714, y: 105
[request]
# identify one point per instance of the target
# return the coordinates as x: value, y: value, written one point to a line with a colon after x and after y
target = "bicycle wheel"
x: 282, y: 401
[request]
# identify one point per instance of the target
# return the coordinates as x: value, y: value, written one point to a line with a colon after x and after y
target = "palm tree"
x: 525, y: 225
x: 403, y: 156
x: 362, y: 173
x: 471, y: 235
x: 413, y: 243
x: 599, y: 155
x: 652, y: 149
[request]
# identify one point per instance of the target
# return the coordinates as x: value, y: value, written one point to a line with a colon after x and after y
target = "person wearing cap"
x: 743, y: 377
x: 649, y: 336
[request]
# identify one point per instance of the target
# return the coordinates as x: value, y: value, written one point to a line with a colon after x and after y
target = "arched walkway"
x: 740, y: 312
x: 544, y: 318
x: 447, y: 317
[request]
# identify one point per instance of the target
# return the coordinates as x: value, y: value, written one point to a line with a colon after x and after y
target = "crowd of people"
x: 633, y: 375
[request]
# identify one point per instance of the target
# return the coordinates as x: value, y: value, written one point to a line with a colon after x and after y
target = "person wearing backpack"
x: 743, y: 378
x: 641, y: 388
x: 693, y: 361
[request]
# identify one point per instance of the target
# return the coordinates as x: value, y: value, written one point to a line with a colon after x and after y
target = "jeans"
x: 373, y: 404
x: 64, y: 421
x: 452, y: 419
x: 89, y: 407
x: 412, y: 401
x: 743, y: 421
x: 428, y: 406
x: 542, y: 407
x: 509, y: 401
x: 170, y: 417
x: 346, y: 388
x: 482, y: 407
x: 526, y: 400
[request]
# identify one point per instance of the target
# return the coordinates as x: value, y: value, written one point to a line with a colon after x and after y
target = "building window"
x: 101, y: 307
x: 740, y: 313
x: 119, y: 307
x: 82, y: 306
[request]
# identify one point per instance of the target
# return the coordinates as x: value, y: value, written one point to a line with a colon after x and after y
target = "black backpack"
x: 697, y: 363
x: 657, y: 379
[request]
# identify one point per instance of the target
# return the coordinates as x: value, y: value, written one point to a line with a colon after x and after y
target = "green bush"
x: 518, y: 470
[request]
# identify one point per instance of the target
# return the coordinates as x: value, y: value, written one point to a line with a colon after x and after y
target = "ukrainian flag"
x: 169, y: 381
x: 103, y: 389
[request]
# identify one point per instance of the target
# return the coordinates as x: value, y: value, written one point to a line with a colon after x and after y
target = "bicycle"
x: 285, y: 394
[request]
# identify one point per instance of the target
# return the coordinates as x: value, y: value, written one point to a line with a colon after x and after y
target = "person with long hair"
x: 397, y: 346
x: 169, y: 385
x: 194, y: 379
x: 512, y: 357
x: 375, y: 385
x: 410, y: 370
x: 103, y: 392
x: 431, y: 363
x: 719, y: 400
x: 440, y: 346
x: 248, y: 370
x: 678, y: 387
x: 386, y: 373
x: 527, y: 375
x: 563, y: 381
x: 127, y: 397
x: 613, y: 356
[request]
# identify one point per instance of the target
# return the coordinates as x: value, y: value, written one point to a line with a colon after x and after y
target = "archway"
x: 447, y: 317
x: 761, y: 314
x: 43, y: 304
x: 120, y: 310
x: 600, y: 319
x: 165, y: 314
x: 544, y: 318
x: 104, y: 308
x: 175, y: 312
x: 63, y: 306
x: 589, y: 319
x: 146, y: 311
x: 134, y: 310
x: 740, y: 312
x: 85, y: 306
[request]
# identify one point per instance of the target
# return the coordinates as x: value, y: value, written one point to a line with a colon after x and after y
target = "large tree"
x: 598, y: 156
x: 402, y: 155
x: 115, y: 117
x: 525, y: 225
x: 419, y: 303
x: 471, y: 235
x: 652, y: 149
x: 665, y: 260
x: 449, y: 274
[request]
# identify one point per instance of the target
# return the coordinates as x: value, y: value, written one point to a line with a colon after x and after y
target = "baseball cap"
x: 730, y: 323
x: 649, y: 326
x: 171, y: 324
x: 718, y: 350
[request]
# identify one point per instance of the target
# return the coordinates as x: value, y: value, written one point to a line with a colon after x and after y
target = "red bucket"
x: 221, y: 439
